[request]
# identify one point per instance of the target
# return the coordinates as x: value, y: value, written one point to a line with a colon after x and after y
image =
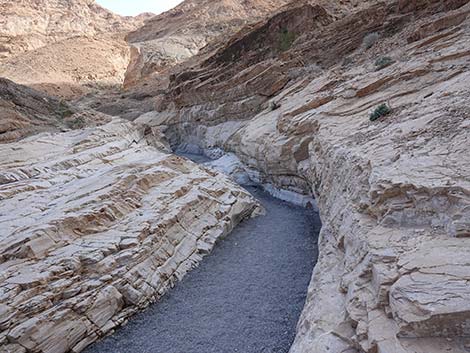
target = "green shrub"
x: 64, y: 111
x: 273, y: 105
x: 380, y: 111
x: 286, y: 39
x: 77, y: 123
x: 383, y: 62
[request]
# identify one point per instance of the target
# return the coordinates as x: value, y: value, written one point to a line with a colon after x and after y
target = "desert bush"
x: 77, y: 123
x: 303, y: 71
x: 370, y: 39
x: 64, y: 110
x: 273, y: 105
x: 286, y: 39
x: 380, y: 111
x: 383, y: 62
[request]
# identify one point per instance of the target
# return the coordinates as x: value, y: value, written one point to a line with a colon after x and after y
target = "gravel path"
x: 245, y: 297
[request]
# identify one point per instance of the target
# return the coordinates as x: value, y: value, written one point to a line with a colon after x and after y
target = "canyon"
x: 357, y: 109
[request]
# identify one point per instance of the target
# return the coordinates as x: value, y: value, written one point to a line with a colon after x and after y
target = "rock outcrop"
x: 96, y: 224
x: 31, y: 24
x: 25, y: 111
x: 72, y: 67
x: 180, y: 33
x: 64, y: 48
x: 291, y: 97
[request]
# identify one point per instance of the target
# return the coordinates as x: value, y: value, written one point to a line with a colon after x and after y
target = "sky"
x: 135, y: 7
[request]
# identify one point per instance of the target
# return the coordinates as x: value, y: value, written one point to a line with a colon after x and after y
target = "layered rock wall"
x: 25, y: 111
x: 394, y: 194
x: 31, y: 24
x: 96, y: 224
x: 72, y: 67
x: 179, y: 34
x: 64, y: 48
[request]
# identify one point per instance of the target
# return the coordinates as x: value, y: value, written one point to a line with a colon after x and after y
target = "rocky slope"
x: 180, y: 33
x: 72, y: 67
x: 31, y: 24
x: 25, y: 111
x: 96, y: 224
x: 62, y: 47
x: 291, y: 97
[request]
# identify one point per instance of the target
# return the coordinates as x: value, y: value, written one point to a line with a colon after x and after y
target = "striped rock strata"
x: 96, y: 224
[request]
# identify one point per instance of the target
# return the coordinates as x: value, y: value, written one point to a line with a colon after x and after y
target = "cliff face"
x: 180, y: 33
x: 96, y: 224
x: 30, y: 24
x: 292, y: 97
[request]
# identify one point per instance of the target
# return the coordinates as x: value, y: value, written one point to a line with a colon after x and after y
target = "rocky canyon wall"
x: 31, y: 24
x: 361, y: 104
x: 394, y: 193
x: 177, y: 35
x: 25, y: 111
x: 96, y: 224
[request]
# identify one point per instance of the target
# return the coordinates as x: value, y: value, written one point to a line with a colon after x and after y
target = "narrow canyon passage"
x: 245, y: 297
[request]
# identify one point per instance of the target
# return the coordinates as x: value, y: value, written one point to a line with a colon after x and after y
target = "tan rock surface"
x: 394, y: 194
x: 180, y: 33
x: 64, y: 48
x: 31, y: 24
x: 96, y: 224
x: 25, y: 111
x: 72, y: 67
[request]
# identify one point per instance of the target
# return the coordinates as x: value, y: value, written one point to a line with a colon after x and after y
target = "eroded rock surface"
x: 394, y: 194
x: 72, y: 67
x: 180, y: 33
x: 25, y: 111
x: 64, y: 48
x: 96, y: 224
x: 31, y: 24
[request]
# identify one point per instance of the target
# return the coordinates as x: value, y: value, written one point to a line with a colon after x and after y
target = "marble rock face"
x: 393, y: 193
x: 95, y: 225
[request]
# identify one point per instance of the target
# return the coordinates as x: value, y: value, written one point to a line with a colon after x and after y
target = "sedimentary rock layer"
x: 72, y: 67
x: 394, y: 193
x: 64, y: 48
x: 180, y: 33
x: 96, y: 224
x: 25, y: 111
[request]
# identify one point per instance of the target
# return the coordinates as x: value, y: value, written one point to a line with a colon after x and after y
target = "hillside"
x: 180, y: 33
x: 31, y: 24
x: 64, y: 48
x: 25, y: 111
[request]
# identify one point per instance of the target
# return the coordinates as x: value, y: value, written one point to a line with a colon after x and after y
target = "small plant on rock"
x: 273, y: 105
x: 380, y: 111
x: 370, y: 39
x: 383, y: 62
x: 286, y: 39
x: 77, y: 123
x: 64, y: 111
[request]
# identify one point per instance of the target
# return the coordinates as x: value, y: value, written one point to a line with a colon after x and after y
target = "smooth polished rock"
x: 96, y: 224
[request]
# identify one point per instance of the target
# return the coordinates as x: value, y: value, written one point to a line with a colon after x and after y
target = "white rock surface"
x: 96, y: 224
x: 393, y: 194
x: 230, y: 165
